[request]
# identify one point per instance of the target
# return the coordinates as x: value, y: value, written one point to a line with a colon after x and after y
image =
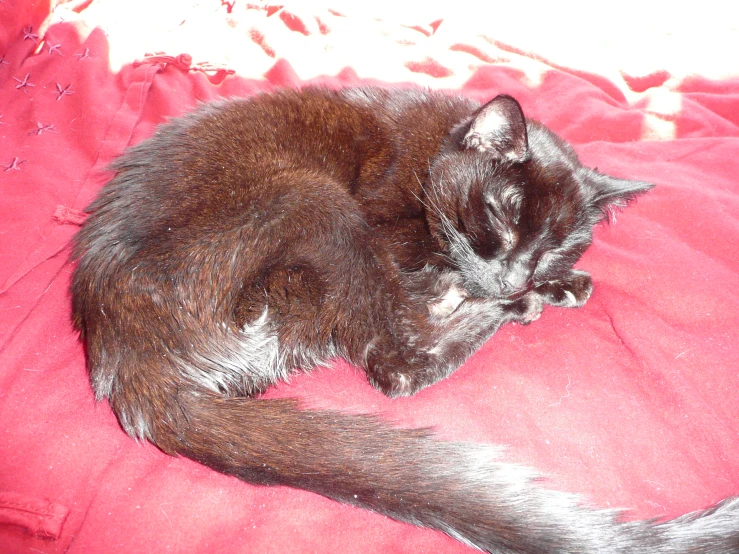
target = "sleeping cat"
x: 395, y: 229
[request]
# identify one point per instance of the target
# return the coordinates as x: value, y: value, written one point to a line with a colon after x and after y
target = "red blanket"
x: 630, y: 401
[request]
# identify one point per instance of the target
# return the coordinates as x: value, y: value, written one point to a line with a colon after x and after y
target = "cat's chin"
x: 516, y: 295
x: 507, y: 297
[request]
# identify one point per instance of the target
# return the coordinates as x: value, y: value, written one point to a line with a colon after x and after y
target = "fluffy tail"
x: 459, y: 489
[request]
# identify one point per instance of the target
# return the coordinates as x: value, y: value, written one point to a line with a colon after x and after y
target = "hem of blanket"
x: 38, y: 516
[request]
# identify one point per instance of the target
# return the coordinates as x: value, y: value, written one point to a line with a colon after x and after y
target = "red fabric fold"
x: 38, y: 516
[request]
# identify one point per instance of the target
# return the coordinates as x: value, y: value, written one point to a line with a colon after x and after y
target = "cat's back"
x: 222, y: 164
x: 241, y: 140
x: 201, y: 169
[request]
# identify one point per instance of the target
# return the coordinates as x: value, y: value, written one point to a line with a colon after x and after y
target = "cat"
x: 397, y: 229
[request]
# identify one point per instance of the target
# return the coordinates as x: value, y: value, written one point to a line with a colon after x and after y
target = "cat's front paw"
x: 526, y: 309
x: 570, y: 292
x: 395, y: 374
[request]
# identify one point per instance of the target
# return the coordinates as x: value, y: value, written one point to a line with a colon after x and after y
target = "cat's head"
x: 510, y: 203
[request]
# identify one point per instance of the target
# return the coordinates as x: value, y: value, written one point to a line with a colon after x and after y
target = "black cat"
x: 395, y: 229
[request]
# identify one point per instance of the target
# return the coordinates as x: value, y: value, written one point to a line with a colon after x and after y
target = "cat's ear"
x: 611, y: 193
x: 499, y: 128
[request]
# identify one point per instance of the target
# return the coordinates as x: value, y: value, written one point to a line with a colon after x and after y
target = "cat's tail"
x: 463, y: 490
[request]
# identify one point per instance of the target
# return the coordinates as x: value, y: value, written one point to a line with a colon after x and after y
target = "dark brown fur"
x: 395, y: 229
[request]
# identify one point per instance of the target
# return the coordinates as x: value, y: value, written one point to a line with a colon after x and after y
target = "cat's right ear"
x: 499, y: 129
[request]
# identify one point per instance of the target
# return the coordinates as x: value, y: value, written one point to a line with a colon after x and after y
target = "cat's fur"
x: 395, y: 229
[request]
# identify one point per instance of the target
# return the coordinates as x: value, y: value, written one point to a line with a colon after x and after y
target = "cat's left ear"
x: 499, y: 129
x: 610, y: 192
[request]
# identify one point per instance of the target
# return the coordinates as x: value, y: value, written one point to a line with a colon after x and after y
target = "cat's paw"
x: 526, y: 309
x: 395, y: 374
x: 571, y: 292
x: 397, y: 383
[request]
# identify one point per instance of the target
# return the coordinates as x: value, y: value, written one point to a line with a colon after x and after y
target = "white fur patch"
x: 240, y: 362
x: 570, y: 296
x: 448, y: 303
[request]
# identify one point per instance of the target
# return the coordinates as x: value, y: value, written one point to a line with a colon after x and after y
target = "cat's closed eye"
x: 492, y: 241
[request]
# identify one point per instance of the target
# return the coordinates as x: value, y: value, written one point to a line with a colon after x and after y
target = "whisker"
x: 459, y: 247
